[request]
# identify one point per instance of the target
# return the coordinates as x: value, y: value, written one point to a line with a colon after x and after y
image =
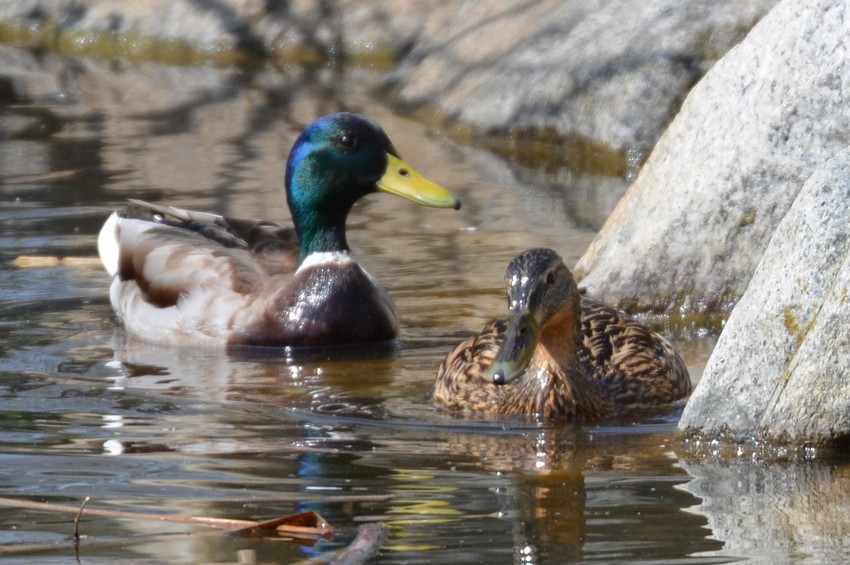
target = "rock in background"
x: 612, y: 72
x: 231, y: 23
x: 690, y: 231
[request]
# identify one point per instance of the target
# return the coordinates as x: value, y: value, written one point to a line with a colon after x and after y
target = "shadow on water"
x: 87, y: 412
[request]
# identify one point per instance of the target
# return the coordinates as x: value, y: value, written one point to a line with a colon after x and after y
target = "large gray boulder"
x: 691, y: 229
x: 781, y: 368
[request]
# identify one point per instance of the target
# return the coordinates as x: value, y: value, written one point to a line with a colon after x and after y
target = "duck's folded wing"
x: 167, y: 263
x: 183, y: 275
x: 468, y: 362
x: 173, y: 285
x: 254, y: 235
x: 152, y: 212
x: 633, y: 363
x: 275, y: 245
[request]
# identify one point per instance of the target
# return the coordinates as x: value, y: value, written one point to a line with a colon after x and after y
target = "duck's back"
x: 635, y: 366
x: 274, y: 246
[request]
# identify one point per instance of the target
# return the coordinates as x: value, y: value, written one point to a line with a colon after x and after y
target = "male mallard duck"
x: 559, y: 354
x: 183, y: 276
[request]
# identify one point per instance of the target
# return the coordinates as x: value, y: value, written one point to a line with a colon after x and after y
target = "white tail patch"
x: 107, y: 244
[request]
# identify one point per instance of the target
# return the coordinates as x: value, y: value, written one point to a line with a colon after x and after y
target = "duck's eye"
x: 550, y: 277
x: 346, y: 141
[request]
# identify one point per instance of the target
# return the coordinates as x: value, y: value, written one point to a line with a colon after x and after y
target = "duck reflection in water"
x: 298, y: 384
x: 554, y: 484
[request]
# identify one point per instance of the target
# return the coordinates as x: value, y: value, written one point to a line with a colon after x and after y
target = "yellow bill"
x: 400, y: 179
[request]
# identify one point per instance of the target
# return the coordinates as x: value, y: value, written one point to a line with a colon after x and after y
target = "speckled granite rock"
x: 691, y: 229
x: 781, y: 368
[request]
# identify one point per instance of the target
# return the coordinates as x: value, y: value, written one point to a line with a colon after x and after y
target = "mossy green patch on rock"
x: 746, y: 220
x: 135, y: 47
x: 547, y: 149
x: 534, y: 148
x: 792, y: 324
x: 131, y: 47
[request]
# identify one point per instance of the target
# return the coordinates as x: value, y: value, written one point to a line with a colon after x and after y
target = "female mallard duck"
x: 559, y: 354
x: 183, y: 276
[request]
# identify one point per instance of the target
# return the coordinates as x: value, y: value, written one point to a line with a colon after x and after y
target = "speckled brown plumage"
x: 590, y: 360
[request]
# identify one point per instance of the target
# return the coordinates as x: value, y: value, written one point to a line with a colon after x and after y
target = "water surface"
x: 89, y: 412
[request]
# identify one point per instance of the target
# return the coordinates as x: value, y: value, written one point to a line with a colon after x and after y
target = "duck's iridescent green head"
x: 337, y: 160
x: 539, y: 285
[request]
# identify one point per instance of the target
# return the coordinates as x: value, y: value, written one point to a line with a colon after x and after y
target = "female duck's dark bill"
x: 517, y: 349
x: 400, y: 179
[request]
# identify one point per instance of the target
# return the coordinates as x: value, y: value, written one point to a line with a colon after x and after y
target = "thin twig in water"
x: 302, y: 527
x: 77, y: 520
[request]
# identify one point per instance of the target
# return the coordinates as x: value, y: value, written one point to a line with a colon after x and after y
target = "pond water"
x: 88, y: 412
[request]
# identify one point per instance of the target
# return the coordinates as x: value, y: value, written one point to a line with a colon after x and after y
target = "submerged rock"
x: 781, y: 368
x: 690, y: 231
